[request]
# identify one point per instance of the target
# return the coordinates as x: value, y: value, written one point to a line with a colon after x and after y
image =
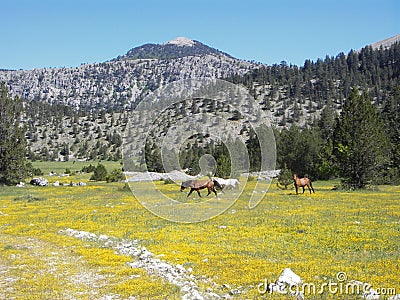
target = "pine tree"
x: 360, y: 143
x: 13, y: 163
x: 253, y: 148
x: 223, y: 166
x: 327, y: 120
x: 298, y: 149
x: 100, y: 173
x: 285, y: 178
x: 391, y: 115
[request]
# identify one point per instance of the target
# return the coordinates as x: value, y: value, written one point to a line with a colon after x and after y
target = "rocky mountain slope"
x: 386, y: 43
x: 122, y: 82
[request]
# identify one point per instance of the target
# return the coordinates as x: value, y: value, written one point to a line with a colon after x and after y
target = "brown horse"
x: 302, y: 182
x: 197, y: 185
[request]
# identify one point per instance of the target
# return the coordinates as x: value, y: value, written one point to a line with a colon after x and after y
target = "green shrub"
x: 168, y: 181
x: 115, y: 175
x: 88, y: 169
x: 285, y: 178
x: 100, y: 173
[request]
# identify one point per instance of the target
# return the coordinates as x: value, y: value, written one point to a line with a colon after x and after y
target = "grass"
x: 315, y: 235
x: 73, y: 165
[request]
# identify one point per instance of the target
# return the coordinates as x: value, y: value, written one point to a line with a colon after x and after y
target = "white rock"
x: 371, y: 295
x: 103, y: 237
x: 289, y: 277
x: 134, y: 265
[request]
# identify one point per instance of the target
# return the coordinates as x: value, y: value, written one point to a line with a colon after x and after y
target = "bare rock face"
x: 181, y: 41
x: 123, y: 81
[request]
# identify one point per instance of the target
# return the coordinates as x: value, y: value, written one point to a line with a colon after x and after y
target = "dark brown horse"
x: 302, y: 182
x: 197, y: 185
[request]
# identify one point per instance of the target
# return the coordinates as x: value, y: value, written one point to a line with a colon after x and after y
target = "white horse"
x: 230, y: 183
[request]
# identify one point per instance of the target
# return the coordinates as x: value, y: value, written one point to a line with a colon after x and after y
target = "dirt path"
x: 31, y: 267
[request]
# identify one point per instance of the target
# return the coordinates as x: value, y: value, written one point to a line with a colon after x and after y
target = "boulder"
x: 289, y: 277
x: 40, y: 181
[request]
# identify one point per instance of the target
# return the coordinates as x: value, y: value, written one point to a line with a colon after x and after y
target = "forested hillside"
x: 296, y: 94
x: 58, y: 132
x: 81, y: 113
x: 310, y: 108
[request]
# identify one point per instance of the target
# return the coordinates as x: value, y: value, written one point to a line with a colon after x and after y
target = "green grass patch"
x: 73, y: 166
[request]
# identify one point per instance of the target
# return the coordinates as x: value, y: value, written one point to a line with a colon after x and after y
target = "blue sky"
x: 66, y: 33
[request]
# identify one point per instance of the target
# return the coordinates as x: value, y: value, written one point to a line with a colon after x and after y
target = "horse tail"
x: 216, y: 183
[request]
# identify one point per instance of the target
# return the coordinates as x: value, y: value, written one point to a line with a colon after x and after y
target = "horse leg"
x: 191, y: 190
x: 303, y: 189
x: 311, y: 187
x: 215, y: 192
x: 209, y: 191
x: 198, y: 192
x: 297, y: 189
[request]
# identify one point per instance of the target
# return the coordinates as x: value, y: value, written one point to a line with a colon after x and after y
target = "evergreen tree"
x: 285, y: 178
x: 391, y: 115
x: 13, y: 163
x: 223, y: 166
x: 64, y: 152
x: 298, y: 149
x: 326, y: 166
x: 115, y: 175
x: 360, y: 143
x: 327, y: 120
x: 253, y: 148
x: 100, y: 173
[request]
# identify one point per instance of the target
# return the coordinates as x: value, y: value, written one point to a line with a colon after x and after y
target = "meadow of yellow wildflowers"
x: 315, y: 235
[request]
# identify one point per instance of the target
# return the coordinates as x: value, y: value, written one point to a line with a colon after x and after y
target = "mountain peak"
x: 176, y: 48
x: 181, y: 41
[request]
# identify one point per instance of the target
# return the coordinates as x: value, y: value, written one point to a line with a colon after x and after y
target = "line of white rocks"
x: 174, y: 274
